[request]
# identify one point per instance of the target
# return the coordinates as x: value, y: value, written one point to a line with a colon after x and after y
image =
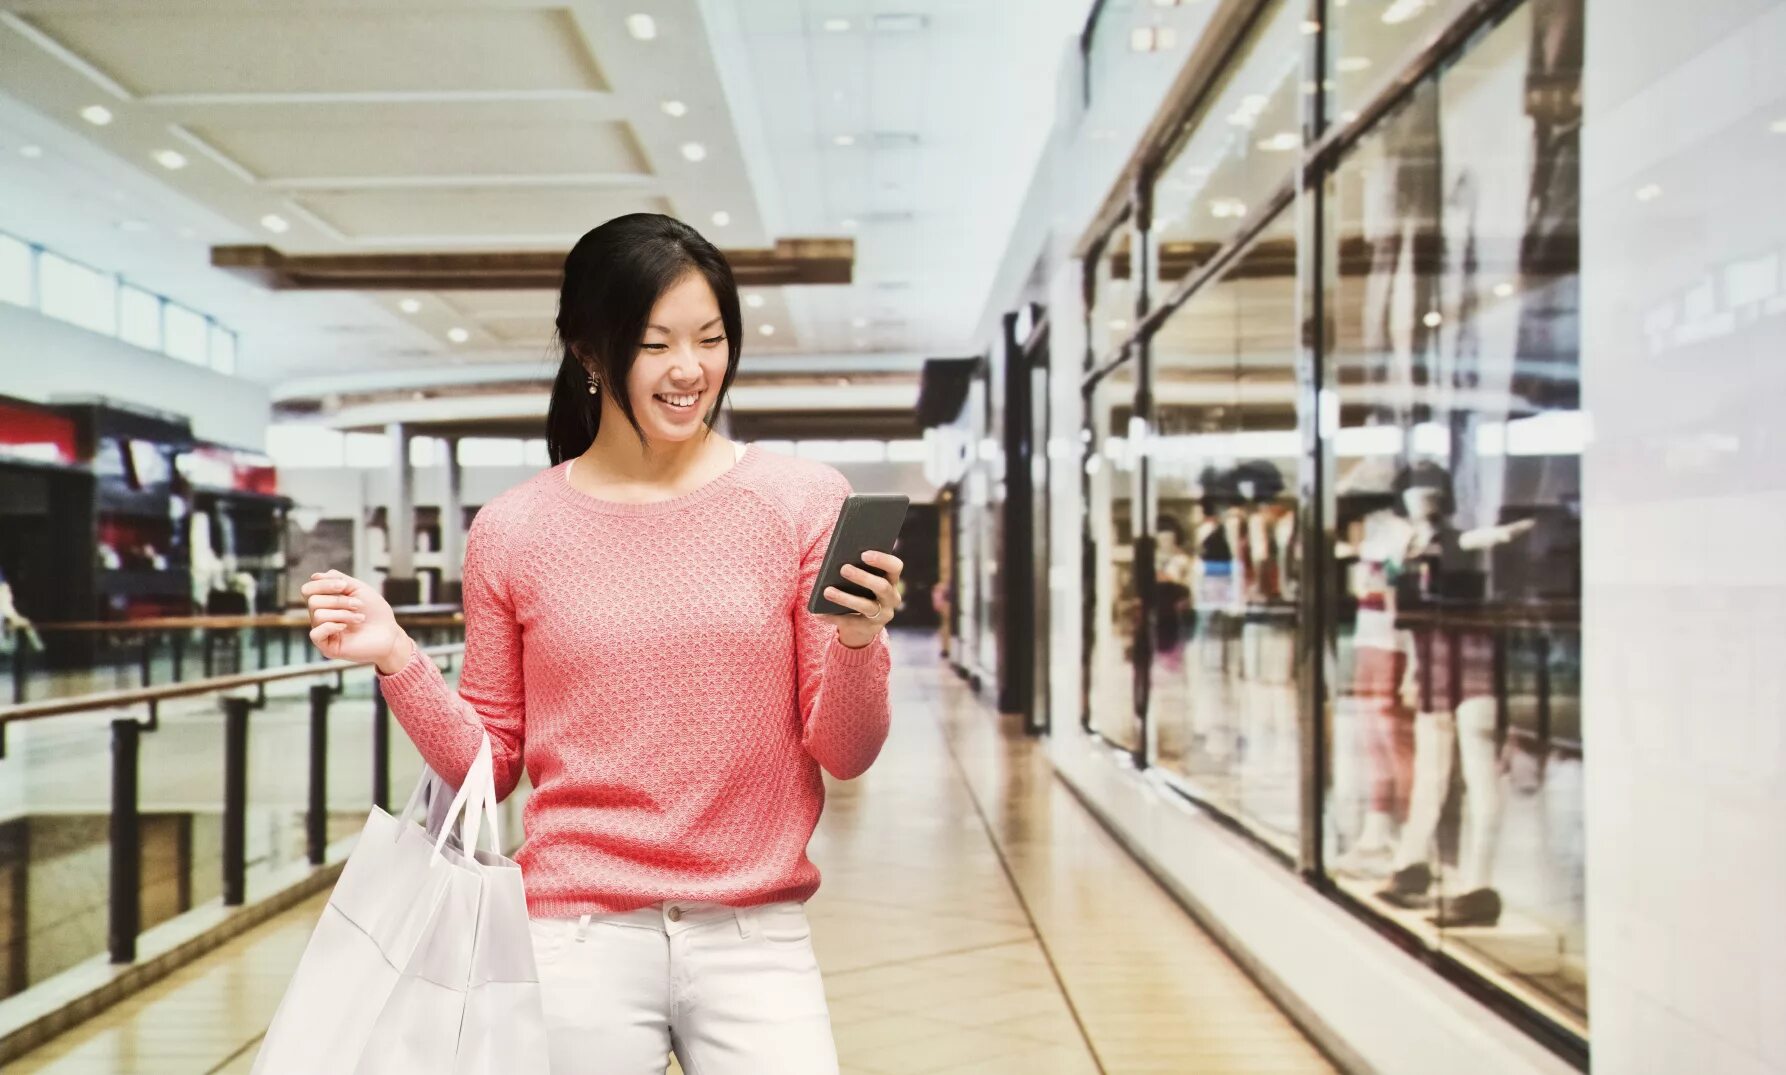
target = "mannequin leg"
x: 1378, y: 672
x: 1477, y: 902
x: 1435, y: 736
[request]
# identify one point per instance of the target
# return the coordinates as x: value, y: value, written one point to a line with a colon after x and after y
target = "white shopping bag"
x: 422, y: 961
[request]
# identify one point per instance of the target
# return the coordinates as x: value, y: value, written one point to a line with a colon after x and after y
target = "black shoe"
x: 1479, y: 908
x: 1407, y: 887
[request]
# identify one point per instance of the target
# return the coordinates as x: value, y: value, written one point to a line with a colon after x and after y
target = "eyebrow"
x: 666, y: 331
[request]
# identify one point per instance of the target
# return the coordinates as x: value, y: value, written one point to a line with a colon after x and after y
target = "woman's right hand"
x: 351, y: 621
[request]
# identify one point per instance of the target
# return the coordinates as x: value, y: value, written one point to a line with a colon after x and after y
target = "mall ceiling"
x: 882, y: 143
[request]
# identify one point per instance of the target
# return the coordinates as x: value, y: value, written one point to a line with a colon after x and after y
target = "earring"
x: 593, y: 388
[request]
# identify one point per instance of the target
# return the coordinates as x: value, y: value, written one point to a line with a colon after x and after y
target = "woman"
x: 636, y: 629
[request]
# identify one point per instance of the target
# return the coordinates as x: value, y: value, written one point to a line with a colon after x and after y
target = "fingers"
x: 887, y: 562
x: 329, y: 615
x: 882, y: 587
x: 322, y: 632
x: 328, y: 582
x: 867, y: 606
x: 318, y: 601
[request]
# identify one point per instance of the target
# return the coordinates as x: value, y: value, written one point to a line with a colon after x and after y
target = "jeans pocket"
x: 550, y: 937
x: 784, y: 923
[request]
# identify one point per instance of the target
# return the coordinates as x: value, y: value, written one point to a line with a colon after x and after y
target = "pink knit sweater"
x: 655, y: 669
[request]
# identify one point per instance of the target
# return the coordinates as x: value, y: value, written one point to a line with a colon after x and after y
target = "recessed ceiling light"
x: 843, y: 382
x: 1280, y: 142
x: 458, y: 335
x: 838, y: 26
x: 1352, y: 64
x: 845, y: 140
x: 755, y: 302
x: 849, y: 224
x: 1227, y: 208
x: 97, y: 115
x: 767, y: 330
x: 860, y: 322
x: 410, y: 306
x: 1401, y: 11
x: 1649, y: 192
x: 1503, y: 289
x: 694, y: 151
x: 172, y: 160
x: 1433, y: 319
x: 721, y: 218
x: 643, y: 27
x: 33, y: 152
x: 674, y: 108
x: 275, y: 223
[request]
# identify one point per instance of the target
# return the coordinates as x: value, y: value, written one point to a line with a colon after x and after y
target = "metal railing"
x: 125, y: 884
x: 174, y: 634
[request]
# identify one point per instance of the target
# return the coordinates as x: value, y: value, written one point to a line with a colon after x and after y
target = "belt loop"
x: 582, y: 927
x: 746, y: 919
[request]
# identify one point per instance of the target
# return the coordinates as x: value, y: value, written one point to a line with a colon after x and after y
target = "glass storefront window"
x: 1113, y: 294
x: 1240, y: 151
x: 1115, y: 600
x: 1453, y: 435
x: 1223, y: 465
x: 1367, y: 43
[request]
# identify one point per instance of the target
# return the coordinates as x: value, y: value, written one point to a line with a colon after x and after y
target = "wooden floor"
x: 973, y: 918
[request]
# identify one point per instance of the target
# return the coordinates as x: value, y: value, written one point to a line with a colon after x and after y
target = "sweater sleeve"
x: 445, y: 724
x: 844, y: 708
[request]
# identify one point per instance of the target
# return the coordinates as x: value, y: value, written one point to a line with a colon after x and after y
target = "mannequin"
x: 1451, y: 691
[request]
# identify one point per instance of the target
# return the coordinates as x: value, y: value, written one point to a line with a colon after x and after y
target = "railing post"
x: 179, y: 654
x: 126, y: 886
x: 210, y: 650
x: 148, y: 655
x: 318, y: 817
x: 260, y: 644
x: 235, y: 801
x: 21, y: 662
x: 381, y: 748
x: 285, y: 645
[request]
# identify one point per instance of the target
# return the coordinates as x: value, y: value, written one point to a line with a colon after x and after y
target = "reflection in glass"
x: 1112, y: 316
x: 1454, y: 441
x: 1245, y: 146
x: 1224, y: 460
x: 1114, y: 598
x: 1369, y: 41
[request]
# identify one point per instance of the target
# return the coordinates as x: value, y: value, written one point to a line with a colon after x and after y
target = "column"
x: 400, y: 586
x: 452, y: 526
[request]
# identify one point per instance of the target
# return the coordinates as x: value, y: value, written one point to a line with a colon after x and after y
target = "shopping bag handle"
x: 476, y: 800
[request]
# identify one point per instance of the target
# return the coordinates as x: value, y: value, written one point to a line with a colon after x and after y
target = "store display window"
x: 1114, y: 598
x: 1223, y: 463
x: 1454, y: 797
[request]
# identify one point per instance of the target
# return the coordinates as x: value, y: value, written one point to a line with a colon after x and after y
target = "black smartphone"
x: 867, y: 522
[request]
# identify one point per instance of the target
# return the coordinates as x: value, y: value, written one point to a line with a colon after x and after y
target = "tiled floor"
x: 973, y: 918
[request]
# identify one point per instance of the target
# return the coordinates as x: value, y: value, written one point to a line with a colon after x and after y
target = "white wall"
x: 1684, y: 318
x: 41, y: 357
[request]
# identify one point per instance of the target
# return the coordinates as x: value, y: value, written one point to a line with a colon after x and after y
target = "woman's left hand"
x: 877, y: 611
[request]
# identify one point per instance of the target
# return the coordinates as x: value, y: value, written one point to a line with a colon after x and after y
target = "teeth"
x: 678, y: 401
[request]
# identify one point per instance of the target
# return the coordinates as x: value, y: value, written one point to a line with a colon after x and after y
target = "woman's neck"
x: 616, y: 462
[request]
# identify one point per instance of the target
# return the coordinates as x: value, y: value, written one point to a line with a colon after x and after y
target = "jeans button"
x: 675, y: 914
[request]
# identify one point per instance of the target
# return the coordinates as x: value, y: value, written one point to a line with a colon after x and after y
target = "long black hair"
x: 612, y: 278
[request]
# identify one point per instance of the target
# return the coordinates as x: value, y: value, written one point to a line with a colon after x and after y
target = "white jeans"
x: 732, y: 990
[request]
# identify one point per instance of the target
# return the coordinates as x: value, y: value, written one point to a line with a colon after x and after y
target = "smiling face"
x: 676, y: 378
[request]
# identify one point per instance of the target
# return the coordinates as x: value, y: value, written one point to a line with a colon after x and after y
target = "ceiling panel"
x: 289, y: 50
x: 531, y: 215
x: 438, y: 143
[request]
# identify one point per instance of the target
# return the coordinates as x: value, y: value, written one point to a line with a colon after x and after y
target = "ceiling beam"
x: 790, y: 261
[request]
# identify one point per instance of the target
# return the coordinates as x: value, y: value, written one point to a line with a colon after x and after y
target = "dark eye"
x: 714, y: 340
x: 654, y: 346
